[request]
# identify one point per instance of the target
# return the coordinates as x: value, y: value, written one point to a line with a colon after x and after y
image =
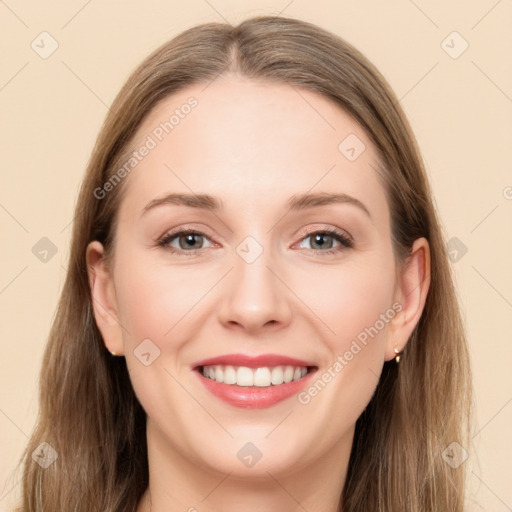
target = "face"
x: 283, y: 290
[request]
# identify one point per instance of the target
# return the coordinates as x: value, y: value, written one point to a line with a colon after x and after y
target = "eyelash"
x: 344, y: 240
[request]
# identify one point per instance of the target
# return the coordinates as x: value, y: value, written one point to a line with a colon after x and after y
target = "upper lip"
x: 252, y: 361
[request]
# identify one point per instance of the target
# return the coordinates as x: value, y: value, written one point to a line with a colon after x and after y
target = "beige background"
x: 460, y: 109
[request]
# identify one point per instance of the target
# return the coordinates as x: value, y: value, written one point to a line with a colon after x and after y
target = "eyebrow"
x: 294, y: 203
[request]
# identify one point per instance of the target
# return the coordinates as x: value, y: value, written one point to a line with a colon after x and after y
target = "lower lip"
x: 253, y: 397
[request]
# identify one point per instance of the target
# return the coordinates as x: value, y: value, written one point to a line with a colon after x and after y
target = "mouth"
x: 254, y: 382
x: 262, y: 377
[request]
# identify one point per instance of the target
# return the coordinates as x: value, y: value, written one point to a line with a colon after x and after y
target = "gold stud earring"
x: 397, y: 355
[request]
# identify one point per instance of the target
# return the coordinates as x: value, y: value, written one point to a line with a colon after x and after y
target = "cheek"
x: 152, y: 299
x: 156, y: 303
x: 349, y: 298
x: 355, y: 307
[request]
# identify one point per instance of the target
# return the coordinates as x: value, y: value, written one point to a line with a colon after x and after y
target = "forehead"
x: 243, y: 140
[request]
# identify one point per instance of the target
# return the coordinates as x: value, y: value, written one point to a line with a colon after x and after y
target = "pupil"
x: 318, y: 241
x: 190, y: 239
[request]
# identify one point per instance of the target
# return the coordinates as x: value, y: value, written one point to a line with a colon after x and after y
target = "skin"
x: 253, y: 145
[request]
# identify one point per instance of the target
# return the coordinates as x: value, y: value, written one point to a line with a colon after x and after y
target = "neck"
x: 178, y: 484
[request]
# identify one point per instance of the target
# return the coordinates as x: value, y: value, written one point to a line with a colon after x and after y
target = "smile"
x: 255, y: 377
x: 254, y: 382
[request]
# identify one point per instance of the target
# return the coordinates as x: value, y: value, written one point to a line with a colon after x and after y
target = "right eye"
x: 187, y: 241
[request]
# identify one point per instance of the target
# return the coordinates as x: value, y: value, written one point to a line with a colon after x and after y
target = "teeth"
x: 219, y: 374
x: 244, y: 376
x: 262, y: 377
x: 255, y: 377
x: 229, y: 375
x: 277, y: 375
x: 288, y: 374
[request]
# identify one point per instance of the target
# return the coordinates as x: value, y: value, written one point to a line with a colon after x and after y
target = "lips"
x: 230, y: 378
x: 253, y: 361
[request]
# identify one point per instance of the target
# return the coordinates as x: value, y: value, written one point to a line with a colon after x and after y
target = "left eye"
x: 325, y: 240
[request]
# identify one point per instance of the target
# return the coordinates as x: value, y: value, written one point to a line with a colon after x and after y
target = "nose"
x: 255, y: 299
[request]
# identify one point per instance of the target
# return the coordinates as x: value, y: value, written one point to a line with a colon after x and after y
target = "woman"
x: 258, y: 311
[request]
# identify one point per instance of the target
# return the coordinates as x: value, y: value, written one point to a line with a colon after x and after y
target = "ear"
x: 104, y: 298
x: 413, y: 282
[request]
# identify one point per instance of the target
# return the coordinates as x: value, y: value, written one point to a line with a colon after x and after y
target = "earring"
x: 397, y: 355
x: 113, y: 353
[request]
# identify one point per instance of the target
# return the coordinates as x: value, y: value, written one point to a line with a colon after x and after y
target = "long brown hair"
x: 89, y: 413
